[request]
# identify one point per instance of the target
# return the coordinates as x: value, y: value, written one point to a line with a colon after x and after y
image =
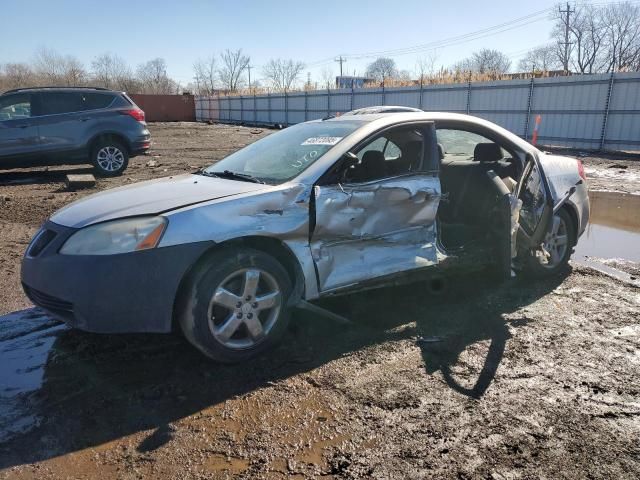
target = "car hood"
x: 149, y: 198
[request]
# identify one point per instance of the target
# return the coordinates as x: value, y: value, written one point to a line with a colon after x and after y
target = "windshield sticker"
x: 321, y: 141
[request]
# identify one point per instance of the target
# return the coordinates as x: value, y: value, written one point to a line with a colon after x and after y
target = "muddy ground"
x: 519, y: 380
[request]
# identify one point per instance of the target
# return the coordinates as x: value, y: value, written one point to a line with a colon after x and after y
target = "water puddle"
x: 614, y: 227
x: 26, y: 338
x: 612, y: 238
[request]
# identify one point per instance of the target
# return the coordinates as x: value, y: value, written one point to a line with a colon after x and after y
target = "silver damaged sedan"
x: 322, y: 208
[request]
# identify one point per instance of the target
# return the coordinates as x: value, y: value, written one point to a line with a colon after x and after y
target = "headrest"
x: 372, y: 166
x: 441, y: 151
x: 373, y: 160
x: 413, y: 149
x: 487, y: 152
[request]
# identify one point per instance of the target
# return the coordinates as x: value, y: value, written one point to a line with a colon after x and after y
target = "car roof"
x: 56, y: 89
x: 382, y: 109
x: 383, y: 120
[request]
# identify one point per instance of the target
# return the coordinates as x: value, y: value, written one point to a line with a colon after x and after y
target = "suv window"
x: 53, y: 103
x: 15, y: 107
x: 121, y: 101
x: 95, y: 101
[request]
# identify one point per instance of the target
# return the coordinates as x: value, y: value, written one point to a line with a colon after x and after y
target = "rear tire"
x: 109, y: 158
x: 559, y: 244
x: 235, y: 304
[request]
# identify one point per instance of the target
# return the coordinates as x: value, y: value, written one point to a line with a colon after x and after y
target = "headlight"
x: 118, y: 236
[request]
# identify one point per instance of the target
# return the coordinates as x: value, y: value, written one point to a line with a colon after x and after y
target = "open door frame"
x: 534, y: 239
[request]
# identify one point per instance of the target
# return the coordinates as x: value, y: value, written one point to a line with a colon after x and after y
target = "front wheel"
x: 110, y: 158
x: 558, y: 246
x: 236, y: 305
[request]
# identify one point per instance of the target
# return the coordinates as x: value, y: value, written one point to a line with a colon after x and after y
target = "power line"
x: 567, y: 23
x: 341, y: 60
x: 492, y: 30
x: 519, y: 22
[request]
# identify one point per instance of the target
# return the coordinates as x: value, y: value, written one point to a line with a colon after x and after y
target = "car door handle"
x: 85, y: 119
x: 22, y: 126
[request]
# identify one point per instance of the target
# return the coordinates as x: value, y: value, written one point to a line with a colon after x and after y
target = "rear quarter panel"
x: 562, y: 174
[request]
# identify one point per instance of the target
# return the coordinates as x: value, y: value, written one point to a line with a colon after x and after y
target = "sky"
x: 312, y: 32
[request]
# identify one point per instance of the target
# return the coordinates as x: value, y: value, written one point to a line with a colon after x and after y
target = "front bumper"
x: 131, y: 292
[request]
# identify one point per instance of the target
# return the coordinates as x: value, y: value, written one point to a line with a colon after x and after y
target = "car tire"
x: 560, y: 242
x: 235, y: 304
x: 109, y: 158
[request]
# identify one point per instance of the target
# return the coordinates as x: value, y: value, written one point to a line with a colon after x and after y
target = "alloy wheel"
x: 110, y: 158
x: 244, y: 308
x: 556, y: 243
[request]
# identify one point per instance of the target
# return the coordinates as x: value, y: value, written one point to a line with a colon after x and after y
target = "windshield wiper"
x: 245, y: 177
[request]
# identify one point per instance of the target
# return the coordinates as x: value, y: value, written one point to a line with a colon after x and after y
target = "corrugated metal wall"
x: 586, y: 111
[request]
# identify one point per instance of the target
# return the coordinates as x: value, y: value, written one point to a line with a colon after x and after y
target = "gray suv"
x: 53, y: 126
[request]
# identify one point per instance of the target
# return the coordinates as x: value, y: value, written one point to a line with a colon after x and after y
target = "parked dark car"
x: 53, y: 126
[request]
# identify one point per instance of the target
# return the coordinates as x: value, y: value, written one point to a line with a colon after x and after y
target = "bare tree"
x: 111, y: 71
x: 233, y: 64
x: 466, y: 65
x: 205, y: 74
x: 382, y: 68
x: 586, y: 31
x: 16, y: 75
x: 622, y: 35
x: 153, y: 77
x: 282, y: 74
x: 540, y: 59
x: 327, y: 77
x: 56, y: 69
x: 492, y: 63
x: 601, y: 38
x: 426, y: 65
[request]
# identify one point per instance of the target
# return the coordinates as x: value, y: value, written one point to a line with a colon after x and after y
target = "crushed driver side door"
x: 366, y: 231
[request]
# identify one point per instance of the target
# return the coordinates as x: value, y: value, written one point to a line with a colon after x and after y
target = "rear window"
x: 121, y: 101
x: 95, y: 101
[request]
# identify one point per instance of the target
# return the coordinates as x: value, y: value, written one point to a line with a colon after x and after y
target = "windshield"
x: 285, y: 154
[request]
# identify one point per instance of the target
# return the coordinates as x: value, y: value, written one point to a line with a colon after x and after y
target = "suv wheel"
x: 110, y: 158
x: 236, y: 304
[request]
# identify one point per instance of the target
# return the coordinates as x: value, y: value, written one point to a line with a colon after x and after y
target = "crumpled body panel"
x: 375, y: 229
x: 281, y: 213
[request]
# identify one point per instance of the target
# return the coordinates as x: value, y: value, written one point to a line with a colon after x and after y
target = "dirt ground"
x: 501, y: 381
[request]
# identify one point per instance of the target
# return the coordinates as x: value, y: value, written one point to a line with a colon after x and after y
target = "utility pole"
x: 567, y: 22
x: 341, y: 60
x: 249, y: 72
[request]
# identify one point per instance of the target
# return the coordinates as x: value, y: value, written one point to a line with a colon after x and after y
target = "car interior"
x: 469, y: 202
x: 397, y: 152
x: 468, y: 211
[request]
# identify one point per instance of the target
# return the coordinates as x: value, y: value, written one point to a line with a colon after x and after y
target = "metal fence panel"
x: 441, y: 98
x: 403, y: 96
x: 581, y: 111
x: 340, y: 101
